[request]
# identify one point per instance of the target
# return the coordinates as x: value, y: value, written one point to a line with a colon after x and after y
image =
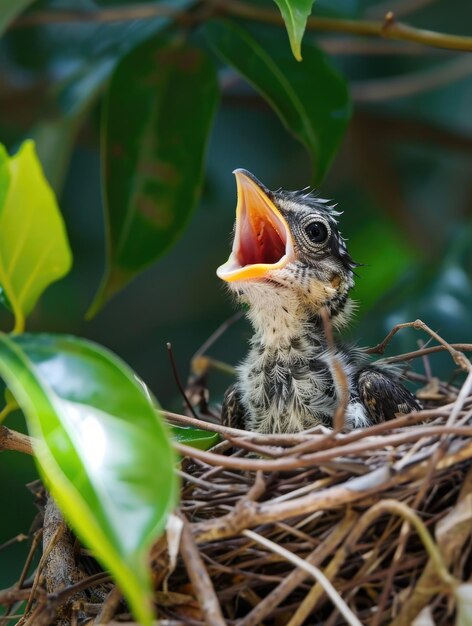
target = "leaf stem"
x: 5, y: 412
x: 19, y: 323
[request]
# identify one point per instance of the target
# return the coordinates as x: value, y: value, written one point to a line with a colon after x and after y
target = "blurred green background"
x: 402, y: 178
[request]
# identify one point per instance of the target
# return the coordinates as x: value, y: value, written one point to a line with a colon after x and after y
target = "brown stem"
x: 13, y: 440
x: 297, y: 576
x: 409, y: 356
x: 459, y: 359
x: 388, y: 28
x: 178, y: 382
x: 323, y: 456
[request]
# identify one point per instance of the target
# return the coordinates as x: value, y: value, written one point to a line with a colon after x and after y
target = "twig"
x: 213, y: 338
x: 401, y: 509
x: 29, y: 559
x: 322, y: 456
x: 46, y: 552
x: 369, y: 28
x: 426, y: 364
x: 296, y: 577
x: 309, y: 602
x: 13, y: 440
x: 461, y: 398
x: 13, y: 594
x: 10, y: 542
x: 327, y: 499
x: 404, y: 535
x: 228, y: 431
x: 109, y: 607
x: 199, y: 577
x: 86, y: 583
x: 458, y: 358
x: 178, y: 381
x: 309, y: 569
x: 450, y: 544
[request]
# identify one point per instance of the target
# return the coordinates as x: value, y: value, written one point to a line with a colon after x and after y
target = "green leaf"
x: 4, y: 174
x: 34, y: 250
x: 201, y: 439
x: 10, y: 10
x: 310, y: 98
x: 295, y: 14
x: 101, y: 447
x: 10, y: 405
x: 152, y: 164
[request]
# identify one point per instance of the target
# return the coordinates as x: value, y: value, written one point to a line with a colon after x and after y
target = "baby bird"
x: 288, y: 262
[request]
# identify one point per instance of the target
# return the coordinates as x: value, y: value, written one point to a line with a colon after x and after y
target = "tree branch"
x: 13, y: 440
x: 388, y: 28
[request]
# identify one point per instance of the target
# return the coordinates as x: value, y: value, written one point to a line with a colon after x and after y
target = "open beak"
x: 262, y: 241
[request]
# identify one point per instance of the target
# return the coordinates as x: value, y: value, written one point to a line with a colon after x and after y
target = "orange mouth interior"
x: 262, y: 240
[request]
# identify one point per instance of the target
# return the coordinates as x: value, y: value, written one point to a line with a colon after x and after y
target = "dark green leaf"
x: 310, y: 98
x: 104, y: 452
x: 295, y: 14
x: 158, y: 112
x: 54, y: 140
x: 201, y: 439
x: 34, y: 250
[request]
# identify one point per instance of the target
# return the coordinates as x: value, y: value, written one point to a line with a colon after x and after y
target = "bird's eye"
x: 317, y: 232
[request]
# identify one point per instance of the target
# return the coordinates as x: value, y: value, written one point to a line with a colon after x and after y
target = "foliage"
x: 295, y: 14
x: 317, y: 112
x: 153, y: 165
x: 165, y: 87
x: 37, y: 254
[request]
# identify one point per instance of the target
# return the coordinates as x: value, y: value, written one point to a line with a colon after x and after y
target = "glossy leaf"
x: 153, y: 164
x: 201, y: 439
x: 10, y: 10
x: 101, y: 447
x: 34, y: 250
x: 295, y: 14
x: 310, y: 98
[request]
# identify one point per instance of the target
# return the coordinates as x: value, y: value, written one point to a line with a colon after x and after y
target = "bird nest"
x: 322, y: 527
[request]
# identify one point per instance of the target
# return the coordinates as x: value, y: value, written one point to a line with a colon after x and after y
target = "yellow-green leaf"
x: 34, y: 249
x: 295, y: 14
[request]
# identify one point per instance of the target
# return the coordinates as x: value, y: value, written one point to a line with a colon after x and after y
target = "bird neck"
x: 279, y: 319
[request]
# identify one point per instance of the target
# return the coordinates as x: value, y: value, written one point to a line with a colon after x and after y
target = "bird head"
x: 287, y: 247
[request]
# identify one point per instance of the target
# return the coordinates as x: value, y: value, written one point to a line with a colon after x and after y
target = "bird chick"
x: 288, y: 262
